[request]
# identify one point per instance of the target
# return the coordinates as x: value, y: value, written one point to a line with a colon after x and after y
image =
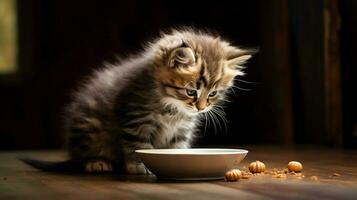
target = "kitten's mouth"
x: 196, y: 111
x: 203, y: 111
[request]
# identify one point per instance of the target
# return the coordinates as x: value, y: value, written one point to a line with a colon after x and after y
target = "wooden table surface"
x: 19, y: 181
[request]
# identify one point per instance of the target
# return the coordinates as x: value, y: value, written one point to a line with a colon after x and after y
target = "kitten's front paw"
x: 136, y: 168
x: 98, y: 166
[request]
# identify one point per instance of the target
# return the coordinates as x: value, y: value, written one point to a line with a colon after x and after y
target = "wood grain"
x: 275, y: 51
x: 19, y: 181
x: 332, y: 65
x: 316, y: 67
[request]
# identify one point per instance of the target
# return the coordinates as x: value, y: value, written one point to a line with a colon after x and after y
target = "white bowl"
x: 191, y: 164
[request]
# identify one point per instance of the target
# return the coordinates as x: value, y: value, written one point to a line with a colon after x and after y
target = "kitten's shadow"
x: 125, y: 178
x: 110, y: 176
x: 154, y: 179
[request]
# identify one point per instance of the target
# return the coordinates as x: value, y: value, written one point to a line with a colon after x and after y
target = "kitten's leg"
x: 91, y: 144
x: 136, y: 168
x: 180, y: 145
x: 181, y: 141
x: 98, y: 166
x: 133, y: 164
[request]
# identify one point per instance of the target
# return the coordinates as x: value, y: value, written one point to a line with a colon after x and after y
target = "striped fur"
x: 144, y: 102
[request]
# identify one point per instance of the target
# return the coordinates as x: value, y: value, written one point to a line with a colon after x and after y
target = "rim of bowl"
x: 193, y: 151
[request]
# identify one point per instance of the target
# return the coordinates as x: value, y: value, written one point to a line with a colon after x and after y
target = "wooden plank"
x: 315, y: 26
x: 333, y: 88
x: 348, y: 31
x: 308, y: 69
x: 276, y: 69
x: 19, y: 181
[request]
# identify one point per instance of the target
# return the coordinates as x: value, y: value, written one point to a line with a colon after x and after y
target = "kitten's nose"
x: 201, y: 105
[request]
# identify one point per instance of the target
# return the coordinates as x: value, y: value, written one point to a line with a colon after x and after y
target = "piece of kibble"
x: 257, y: 167
x: 233, y: 175
x: 314, y: 178
x: 279, y: 176
x: 299, y: 175
x: 245, y: 172
x: 336, y: 174
x: 245, y: 175
x: 295, y: 166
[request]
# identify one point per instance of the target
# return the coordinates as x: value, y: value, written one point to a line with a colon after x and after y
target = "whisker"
x: 221, y: 112
x: 218, y: 106
x: 217, y: 120
x: 213, y: 122
x: 225, y: 100
x: 243, y: 81
x: 239, y: 88
x: 233, y: 91
x: 208, y: 120
x: 204, y: 133
x: 224, y: 120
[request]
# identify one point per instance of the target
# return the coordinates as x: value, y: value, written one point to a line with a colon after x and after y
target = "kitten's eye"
x: 212, y: 94
x: 191, y: 93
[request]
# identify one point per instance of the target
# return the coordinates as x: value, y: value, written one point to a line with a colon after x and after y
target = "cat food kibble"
x: 314, y: 178
x: 336, y: 174
x: 279, y: 176
x: 257, y: 167
x: 295, y: 166
x: 233, y: 175
x: 245, y: 175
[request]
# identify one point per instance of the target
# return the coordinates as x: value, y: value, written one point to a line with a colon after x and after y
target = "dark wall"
x: 348, y: 32
x: 61, y: 42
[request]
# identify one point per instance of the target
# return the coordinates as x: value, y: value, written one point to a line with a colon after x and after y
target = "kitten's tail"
x: 50, y: 166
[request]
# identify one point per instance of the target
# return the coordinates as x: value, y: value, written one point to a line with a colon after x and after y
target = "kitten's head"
x: 194, y: 70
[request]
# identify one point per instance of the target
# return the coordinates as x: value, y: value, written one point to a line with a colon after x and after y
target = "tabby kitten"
x: 151, y: 101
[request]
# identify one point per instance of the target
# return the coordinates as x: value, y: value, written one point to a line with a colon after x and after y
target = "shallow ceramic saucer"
x: 191, y: 164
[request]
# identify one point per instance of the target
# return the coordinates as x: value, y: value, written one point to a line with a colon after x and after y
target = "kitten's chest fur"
x: 160, y: 127
x: 173, y: 128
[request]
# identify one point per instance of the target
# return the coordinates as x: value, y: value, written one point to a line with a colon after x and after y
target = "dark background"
x: 304, y: 89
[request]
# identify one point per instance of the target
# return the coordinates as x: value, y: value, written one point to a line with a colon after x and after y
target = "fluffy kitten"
x: 153, y: 100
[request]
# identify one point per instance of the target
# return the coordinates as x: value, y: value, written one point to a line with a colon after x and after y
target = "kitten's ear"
x: 235, y: 58
x: 181, y: 57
